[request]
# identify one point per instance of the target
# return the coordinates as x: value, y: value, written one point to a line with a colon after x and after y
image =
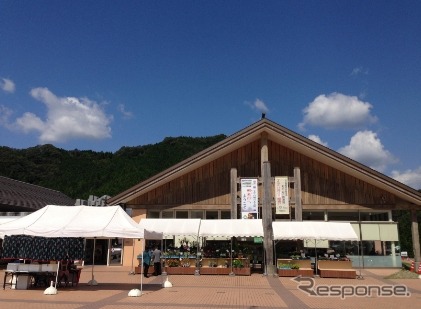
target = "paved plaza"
x: 189, y: 291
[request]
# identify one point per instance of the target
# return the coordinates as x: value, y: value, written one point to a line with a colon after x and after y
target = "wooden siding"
x: 207, y: 185
x: 322, y: 186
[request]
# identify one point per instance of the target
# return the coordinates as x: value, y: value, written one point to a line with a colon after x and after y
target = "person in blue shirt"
x: 146, y: 261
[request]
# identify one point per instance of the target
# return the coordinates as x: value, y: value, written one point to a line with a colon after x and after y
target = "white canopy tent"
x: 318, y: 230
x: 313, y: 230
x: 171, y: 227
x: 76, y: 221
x: 231, y: 228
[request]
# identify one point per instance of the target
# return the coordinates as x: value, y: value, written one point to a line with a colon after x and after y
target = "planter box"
x: 245, y: 271
x: 295, y: 272
x: 180, y: 270
x: 138, y: 270
x: 215, y: 270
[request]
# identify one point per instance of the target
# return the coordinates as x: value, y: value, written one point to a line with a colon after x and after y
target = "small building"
x: 323, y: 185
x: 18, y: 197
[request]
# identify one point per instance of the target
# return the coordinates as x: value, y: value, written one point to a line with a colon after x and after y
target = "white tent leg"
x: 93, y: 281
x: 131, y: 272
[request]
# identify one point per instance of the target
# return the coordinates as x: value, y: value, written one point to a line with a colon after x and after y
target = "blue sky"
x: 101, y: 75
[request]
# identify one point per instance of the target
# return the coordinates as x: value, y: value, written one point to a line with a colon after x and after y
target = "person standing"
x: 156, y: 257
x: 146, y: 261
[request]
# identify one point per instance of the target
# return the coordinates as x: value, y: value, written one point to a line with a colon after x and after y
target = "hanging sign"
x: 249, y: 199
x: 281, y: 196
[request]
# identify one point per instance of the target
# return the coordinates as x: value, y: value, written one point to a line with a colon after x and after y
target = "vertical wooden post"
x: 297, y: 193
x: 267, y: 218
x: 415, y: 238
x: 264, y: 152
x: 233, y: 185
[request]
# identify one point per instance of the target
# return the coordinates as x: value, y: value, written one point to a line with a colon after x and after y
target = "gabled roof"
x: 17, y: 196
x: 76, y: 221
x: 282, y: 136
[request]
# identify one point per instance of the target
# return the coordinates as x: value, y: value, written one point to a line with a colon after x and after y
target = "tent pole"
x: 197, y: 270
x: 360, y: 247
x: 142, y: 274
x: 315, y: 260
x: 93, y: 281
x: 131, y: 272
x: 232, y: 271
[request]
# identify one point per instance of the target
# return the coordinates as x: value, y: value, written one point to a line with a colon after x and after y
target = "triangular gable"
x: 282, y: 136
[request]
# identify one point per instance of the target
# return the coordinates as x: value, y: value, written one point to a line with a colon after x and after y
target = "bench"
x: 336, y: 269
x: 304, y: 270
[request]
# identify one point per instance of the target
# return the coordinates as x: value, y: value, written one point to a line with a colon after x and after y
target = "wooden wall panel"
x: 210, y: 184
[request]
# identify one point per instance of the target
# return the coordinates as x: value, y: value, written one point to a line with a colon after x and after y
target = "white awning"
x: 75, y: 221
x: 231, y: 228
x: 171, y: 227
x: 284, y: 230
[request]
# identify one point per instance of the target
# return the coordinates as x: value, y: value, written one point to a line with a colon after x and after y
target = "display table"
x: 222, y: 266
x: 23, y: 277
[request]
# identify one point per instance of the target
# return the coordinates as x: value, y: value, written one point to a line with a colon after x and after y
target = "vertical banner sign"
x: 281, y: 196
x: 249, y: 199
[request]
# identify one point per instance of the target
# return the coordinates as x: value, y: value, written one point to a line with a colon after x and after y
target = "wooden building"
x: 324, y: 185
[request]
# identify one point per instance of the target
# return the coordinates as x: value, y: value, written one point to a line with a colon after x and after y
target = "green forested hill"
x: 79, y: 174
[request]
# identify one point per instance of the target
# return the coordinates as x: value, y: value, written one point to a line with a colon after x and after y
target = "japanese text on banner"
x: 249, y: 198
x: 281, y: 195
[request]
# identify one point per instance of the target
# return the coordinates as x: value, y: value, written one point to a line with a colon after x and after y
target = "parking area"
x: 189, y: 291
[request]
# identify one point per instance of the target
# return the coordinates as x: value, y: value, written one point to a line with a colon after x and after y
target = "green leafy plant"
x: 288, y: 266
x: 237, y: 263
x: 173, y: 263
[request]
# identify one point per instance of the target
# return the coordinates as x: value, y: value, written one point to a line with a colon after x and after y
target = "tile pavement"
x: 189, y: 291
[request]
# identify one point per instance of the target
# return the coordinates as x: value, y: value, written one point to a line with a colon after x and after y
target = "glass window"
x: 153, y: 214
x: 181, y: 214
x: 225, y: 214
x: 342, y: 216
x: 313, y: 215
x: 196, y: 214
x: 211, y: 214
x: 169, y: 214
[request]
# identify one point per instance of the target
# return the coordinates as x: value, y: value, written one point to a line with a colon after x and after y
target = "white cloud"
x: 122, y: 110
x: 7, y: 85
x: 259, y: 105
x: 67, y: 118
x: 337, y: 110
x: 411, y: 178
x: 317, y: 139
x: 30, y: 122
x: 358, y: 71
x: 5, y: 114
x: 365, y: 147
